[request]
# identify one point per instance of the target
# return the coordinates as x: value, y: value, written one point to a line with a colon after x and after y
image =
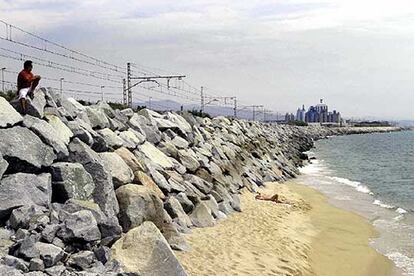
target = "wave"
x: 355, y: 184
x: 383, y: 205
x: 402, y: 261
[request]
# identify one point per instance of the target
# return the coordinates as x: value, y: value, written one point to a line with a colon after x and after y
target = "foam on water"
x: 402, y: 261
x: 355, y: 184
x: 383, y: 205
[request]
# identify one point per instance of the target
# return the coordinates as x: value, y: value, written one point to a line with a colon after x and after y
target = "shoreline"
x: 314, y: 233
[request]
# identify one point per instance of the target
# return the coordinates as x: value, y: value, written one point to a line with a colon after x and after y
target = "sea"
x: 372, y: 175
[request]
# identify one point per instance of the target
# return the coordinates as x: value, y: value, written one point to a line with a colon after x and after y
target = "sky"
x: 356, y: 55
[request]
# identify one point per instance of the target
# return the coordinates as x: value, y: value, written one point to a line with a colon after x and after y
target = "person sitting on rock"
x: 274, y: 198
x: 26, y: 84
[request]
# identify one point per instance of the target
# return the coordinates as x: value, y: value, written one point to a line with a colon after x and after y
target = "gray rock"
x: 160, y: 180
x: 35, y: 106
x: 110, y: 138
x: 25, y: 149
x: 62, y: 130
x: 16, y: 263
x: 155, y: 155
x: 97, y: 117
x: 36, y: 264
x: 49, y: 253
x: 22, y: 189
x: 8, y: 115
x: 104, y: 194
x: 174, y: 238
x: 199, y: 183
x: 236, y: 203
x: 121, y: 173
x: 130, y: 159
x: 177, y: 213
x: 56, y: 270
x: 80, y: 225
x: 9, y: 271
x: 3, y: 165
x: 225, y: 207
x: 48, y: 134
x: 201, y: 216
x: 27, y: 249
x: 5, y: 241
x: 138, y: 204
x: 189, y: 160
x: 71, y: 180
x: 80, y: 132
x: 179, y: 142
x: 215, y: 209
x: 26, y: 216
x: 82, y: 260
x: 49, y: 232
x: 102, y: 254
x: 108, y: 226
x: 185, y: 202
x: 132, y: 251
x: 131, y: 139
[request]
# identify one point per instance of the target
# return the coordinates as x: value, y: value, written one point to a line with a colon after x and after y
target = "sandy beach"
x: 307, y: 236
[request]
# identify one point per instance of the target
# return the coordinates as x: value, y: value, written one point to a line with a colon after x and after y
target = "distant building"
x: 318, y: 114
x: 300, y: 114
x: 289, y: 117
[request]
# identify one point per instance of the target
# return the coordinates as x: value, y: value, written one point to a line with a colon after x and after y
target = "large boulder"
x: 80, y: 225
x: 108, y: 226
x: 143, y: 179
x: 138, y: 204
x: 132, y: 251
x: 201, y: 216
x: 131, y: 139
x: 155, y: 155
x: 97, y: 117
x: 111, y: 139
x: 71, y: 180
x: 177, y: 213
x: 49, y: 134
x: 24, y: 150
x: 121, y: 173
x: 35, y: 106
x: 104, y: 194
x: 8, y: 115
x: 64, y: 132
x: 130, y: 159
x: 22, y: 189
x: 189, y: 159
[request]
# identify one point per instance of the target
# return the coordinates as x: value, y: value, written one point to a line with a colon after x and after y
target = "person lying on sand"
x: 274, y: 198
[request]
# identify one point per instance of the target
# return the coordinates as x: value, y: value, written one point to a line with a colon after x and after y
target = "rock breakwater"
x: 89, y: 190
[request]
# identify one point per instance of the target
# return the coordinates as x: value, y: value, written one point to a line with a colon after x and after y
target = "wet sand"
x: 306, y: 237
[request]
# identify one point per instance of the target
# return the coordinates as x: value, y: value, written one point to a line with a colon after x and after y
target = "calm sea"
x: 372, y: 175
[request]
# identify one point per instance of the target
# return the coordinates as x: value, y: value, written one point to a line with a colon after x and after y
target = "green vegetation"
x: 198, y: 113
x: 298, y: 123
x: 9, y: 95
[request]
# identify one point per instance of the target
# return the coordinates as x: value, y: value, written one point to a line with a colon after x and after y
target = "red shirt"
x: 24, y: 80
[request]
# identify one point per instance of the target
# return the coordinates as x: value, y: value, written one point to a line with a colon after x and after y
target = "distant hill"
x: 165, y: 105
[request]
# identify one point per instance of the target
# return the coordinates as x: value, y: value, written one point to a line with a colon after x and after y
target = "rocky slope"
x: 88, y: 190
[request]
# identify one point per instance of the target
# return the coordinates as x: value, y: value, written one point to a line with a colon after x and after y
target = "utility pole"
x: 124, y: 91
x: 202, y: 100
x: 254, y: 110
x: 142, y: 79
x: 102, y: 93
x: 149, y: 102
x: 129, y: 84
x: 61, y: 85
x: 235, y: 107
x: 2, y: 78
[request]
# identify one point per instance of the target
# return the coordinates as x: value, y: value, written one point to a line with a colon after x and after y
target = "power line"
x: 98, y: 62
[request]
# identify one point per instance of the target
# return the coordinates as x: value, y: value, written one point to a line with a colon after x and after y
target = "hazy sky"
x: 357, y: 55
